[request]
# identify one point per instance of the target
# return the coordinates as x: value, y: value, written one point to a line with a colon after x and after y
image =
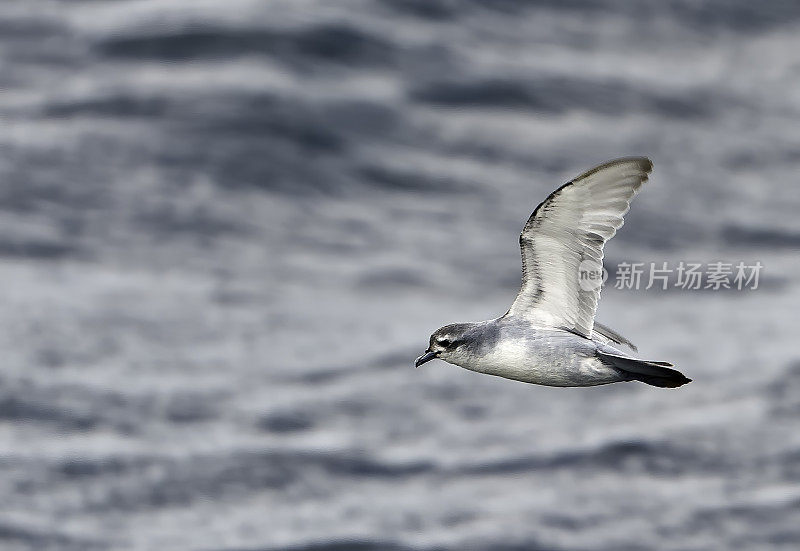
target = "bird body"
x: 511, y: 348
x: 549, y: 336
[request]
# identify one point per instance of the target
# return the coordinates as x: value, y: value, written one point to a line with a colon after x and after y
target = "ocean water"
x: 228, y: 228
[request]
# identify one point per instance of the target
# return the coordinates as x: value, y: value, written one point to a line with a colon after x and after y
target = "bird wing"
x: 571, y: 226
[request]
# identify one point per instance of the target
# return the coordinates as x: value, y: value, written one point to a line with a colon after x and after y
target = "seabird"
x: 549, y: 336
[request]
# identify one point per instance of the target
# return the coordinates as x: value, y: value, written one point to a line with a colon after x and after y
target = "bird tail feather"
x: 658, y: 374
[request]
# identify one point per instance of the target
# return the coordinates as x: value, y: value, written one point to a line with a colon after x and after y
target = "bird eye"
x: 443, y: 342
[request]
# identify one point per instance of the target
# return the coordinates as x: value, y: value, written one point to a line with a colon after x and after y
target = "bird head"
x: 444, y: 343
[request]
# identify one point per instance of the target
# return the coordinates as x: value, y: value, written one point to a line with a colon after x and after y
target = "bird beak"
x: 426, y: 357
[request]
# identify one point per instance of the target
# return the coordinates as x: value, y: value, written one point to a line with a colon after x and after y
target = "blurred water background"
x: 229, y: 227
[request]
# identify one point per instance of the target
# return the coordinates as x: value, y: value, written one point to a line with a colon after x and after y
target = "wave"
x: 701, y: 17
x: 119, y: 105
x: 75, y: 408
x: 339, y: 545
x: 559, y: 94
x: 656, y: 458
x: 145, y: 483
x: 43, y: 538
x: 763, y: 238
x: 38, y: 249
x: 286, y: 422
x: 337, y: 43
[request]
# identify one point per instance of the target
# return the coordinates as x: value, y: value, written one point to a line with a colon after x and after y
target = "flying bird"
x: 549, y: 336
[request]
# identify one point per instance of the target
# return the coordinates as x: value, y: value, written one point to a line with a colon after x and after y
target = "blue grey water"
x: 228, y: 229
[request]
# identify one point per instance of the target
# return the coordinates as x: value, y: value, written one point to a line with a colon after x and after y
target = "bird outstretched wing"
x: 567, y: 229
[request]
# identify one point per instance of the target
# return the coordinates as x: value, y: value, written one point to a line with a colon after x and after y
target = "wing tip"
x: 644, y: 164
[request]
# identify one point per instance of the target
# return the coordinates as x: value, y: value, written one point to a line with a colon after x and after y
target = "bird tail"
x: 657, y: 374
